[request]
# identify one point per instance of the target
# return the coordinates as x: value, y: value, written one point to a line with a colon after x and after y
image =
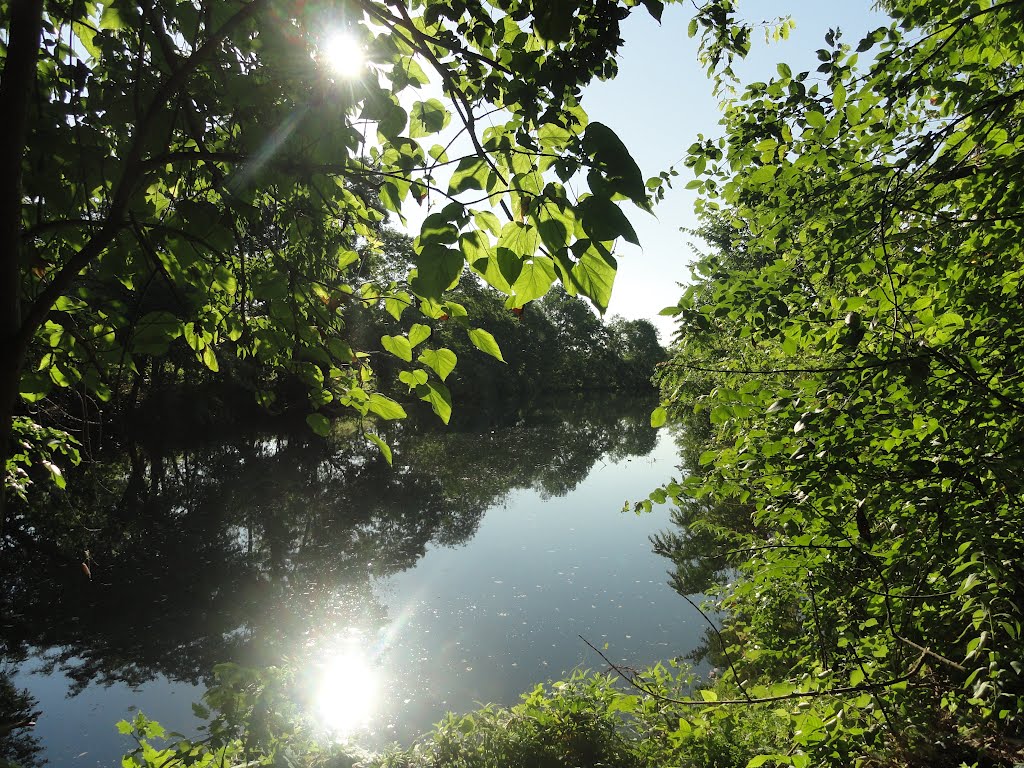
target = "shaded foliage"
x: 851, y: 344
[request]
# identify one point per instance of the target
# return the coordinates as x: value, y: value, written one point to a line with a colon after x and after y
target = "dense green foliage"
x: 556, y: 343
x: 852, y: 345
x: 582, y: 721
x: 198, y: 171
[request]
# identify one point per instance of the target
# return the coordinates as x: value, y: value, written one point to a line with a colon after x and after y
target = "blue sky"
x: 658, y: 104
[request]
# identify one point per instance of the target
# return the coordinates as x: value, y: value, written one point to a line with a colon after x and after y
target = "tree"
x: 636, y: 344
x: 854, y: 345
x: 193, y: 175
x: 558, y: 343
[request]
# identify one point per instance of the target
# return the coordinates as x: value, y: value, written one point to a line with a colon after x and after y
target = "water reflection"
x: 348, y: 685
x: 259, y: 547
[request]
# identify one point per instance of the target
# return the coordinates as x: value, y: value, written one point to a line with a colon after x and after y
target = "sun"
x: 343, y: 55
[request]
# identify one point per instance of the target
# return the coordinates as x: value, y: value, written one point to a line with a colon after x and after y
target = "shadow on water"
x: 166, y: 559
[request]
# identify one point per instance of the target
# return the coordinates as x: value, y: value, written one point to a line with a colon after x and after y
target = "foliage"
x: 251, y: 721
x: 572, y: 723
x: 852, y: 345
x: 36, y: 447
x: 584, y: 720
x: 193, y: 178
x: 556, y: 343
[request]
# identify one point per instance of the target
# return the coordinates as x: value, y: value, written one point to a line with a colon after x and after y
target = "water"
x: 464, y: 575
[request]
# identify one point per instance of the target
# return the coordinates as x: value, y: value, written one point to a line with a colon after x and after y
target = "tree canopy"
x: 199, y: 174
x: 853, y: 343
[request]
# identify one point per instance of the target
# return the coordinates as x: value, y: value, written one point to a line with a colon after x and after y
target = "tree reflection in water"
x: 237, y: 548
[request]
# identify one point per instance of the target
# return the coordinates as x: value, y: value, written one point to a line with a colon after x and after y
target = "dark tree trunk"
x: 16, y: 87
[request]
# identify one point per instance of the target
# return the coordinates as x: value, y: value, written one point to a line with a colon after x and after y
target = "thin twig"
x: 846, y: 690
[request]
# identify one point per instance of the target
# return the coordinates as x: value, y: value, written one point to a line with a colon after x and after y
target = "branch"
x: 134, y: 169
x: 406, y: 23
x: 460, y: 103
x: 846, y: 690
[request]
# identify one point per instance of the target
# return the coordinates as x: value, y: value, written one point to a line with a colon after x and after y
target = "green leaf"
x: 617, y: 171
x: 418, y: 334
x: 346, y: 257
x: 654, y: 7
x: 385, y: 449
x: 398, y: 346
x: 594, y: 275
x: 839, y: 96
x: 396, y: 304
x: 223, y: 280
x: 439, y: 397
x: 440, y: 361
x: 553, y: 20
x: 519, y: 239
x: 658, y: 417
x: 428, y: 117
x: 383, y: 107
x: 413, y: 378
x: 555, y: 225
x: 439, y: 229
x: 385, y: 407
x: 210, y: 359
x: 476, y: 247
x: 111, y: 17
x: 624, y: 703
x: 815, y: 119
x: 154, y: 333
x: 319, y: 424
x: 55, y: 474
x: 487, y: 220
x: 485, y: 342
x: 34, y: 386
x: 437, y: 270
x: 413, y: 71
x: 471, y: 173
x: 534, y: 280
x: 604, y: 221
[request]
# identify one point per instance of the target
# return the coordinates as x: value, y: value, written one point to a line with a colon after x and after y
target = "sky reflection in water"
x: 482, y: 623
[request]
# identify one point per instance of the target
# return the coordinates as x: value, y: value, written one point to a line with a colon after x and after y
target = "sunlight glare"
x: 347, y: 693
x: 342, y: 53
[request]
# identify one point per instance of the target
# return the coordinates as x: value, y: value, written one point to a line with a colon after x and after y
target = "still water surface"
x: 462, y: 576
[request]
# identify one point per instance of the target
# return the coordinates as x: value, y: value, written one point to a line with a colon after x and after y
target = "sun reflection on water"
x: 348, y: 687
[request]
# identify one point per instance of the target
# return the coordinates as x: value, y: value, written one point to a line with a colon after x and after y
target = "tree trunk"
x: 16, y: 87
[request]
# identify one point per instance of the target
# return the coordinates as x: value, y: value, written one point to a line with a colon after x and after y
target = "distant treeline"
x: 555, y: 344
